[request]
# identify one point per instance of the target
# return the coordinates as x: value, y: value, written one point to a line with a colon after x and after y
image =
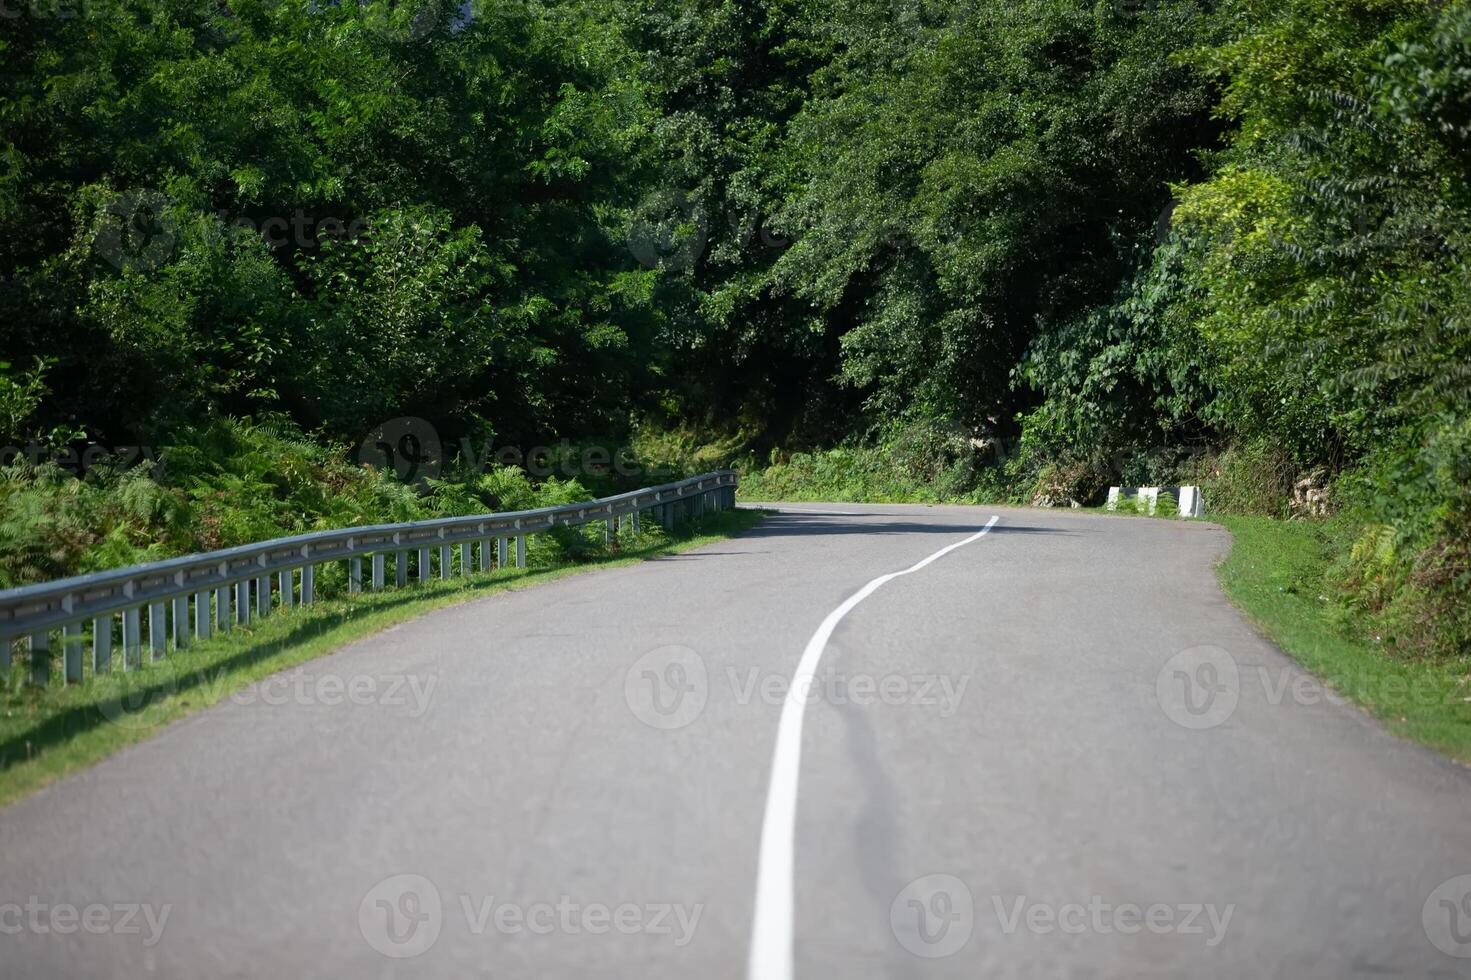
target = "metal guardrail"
x: 191, y: 597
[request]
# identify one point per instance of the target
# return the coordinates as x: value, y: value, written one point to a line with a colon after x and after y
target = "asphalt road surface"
x: 1054, y: 750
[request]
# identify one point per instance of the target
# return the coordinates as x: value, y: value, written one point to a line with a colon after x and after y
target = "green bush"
x: 914, y: 463
x: 229, y: 482
x: 1254, y: 478
x: 1410, y: 564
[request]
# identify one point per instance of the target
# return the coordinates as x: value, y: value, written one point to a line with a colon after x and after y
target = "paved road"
x: 1055, y: 751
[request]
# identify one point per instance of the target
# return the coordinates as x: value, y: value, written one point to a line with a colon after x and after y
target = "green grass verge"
x: 1275, y: 574
x: 47, y: 733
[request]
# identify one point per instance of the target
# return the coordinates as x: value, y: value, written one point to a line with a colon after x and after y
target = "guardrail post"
x: 71, y: 646
x: 423, y: 565
x: 378, y: 560
x: 503, y: 552
x: 102, y: 644
x: 222, y: 608
x: 201, y: 615
x: 445, y: 565
x: 180, y: 622
x: 355, y: 575
x: 485, y: 547
x: 71, y: 653
x: 465, y: 564
x: 156, y: 638
x: 40, y: 658
x: 286, y: 587
x: 401, y: 568
x: 308, y: 584
x: 132, y: 637
x: 520, y: 551
x: 263, y: 596
x: 242, y: 602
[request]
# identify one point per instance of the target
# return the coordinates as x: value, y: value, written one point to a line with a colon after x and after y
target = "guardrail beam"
x: 164, y: 589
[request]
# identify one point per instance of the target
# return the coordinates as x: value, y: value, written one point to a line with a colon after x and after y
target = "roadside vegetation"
x: 1276, y: 574
x: 236, y: 481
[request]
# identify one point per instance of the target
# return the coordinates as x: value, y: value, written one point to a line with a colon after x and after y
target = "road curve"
x: 1056, y: 751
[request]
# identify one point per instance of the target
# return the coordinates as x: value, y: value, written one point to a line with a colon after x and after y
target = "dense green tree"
x: 979, y: 179
x: 346, y: 211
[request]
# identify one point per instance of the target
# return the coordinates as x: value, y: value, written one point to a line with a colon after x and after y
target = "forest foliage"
x: 1018, y: 247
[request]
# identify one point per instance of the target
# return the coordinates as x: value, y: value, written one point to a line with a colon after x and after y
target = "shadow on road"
x: 790, y: 523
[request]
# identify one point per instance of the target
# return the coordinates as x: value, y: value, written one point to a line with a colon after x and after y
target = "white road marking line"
x: 771, y: 930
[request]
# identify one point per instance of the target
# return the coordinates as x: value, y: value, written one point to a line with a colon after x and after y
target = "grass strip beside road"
x: 47, y: 733
x: 1275, y: 574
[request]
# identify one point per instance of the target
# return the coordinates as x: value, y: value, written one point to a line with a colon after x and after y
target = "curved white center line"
x: 771, y: 931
